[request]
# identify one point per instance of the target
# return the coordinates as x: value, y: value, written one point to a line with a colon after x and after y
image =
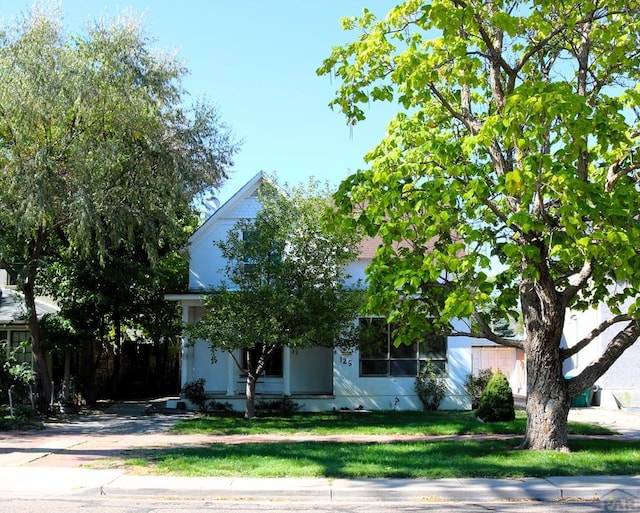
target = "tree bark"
x: 66, y: 378
x: 250, y: 406
x: 88, y: 371
x: 44, y: 386
x: 547, y: 399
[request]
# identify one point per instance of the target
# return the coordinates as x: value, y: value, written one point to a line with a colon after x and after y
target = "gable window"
x: 380, y: 357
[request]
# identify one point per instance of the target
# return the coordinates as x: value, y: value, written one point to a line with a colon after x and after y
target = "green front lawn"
x: 477, y: 456
x: 366, y: 423
x: 427, y: 460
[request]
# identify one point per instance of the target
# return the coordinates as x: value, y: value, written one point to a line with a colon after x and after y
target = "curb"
x: 553, y: 489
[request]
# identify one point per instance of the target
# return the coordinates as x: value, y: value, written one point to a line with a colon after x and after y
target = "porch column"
x: 286, y: 370
x: 187, y: 351
x: 231, y: 375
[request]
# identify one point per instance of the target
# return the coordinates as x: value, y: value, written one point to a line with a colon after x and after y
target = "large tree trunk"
x: 88, y: 371
x: 117, y: 353
x: 44, y: 385
x: 547, y: 399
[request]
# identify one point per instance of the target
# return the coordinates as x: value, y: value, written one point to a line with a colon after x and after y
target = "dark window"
x: 274, y: 366
x: 21, y: 347
x: 248, y: 239
x: 379, y: 356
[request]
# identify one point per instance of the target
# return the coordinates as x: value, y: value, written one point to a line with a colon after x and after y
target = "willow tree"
x: 514, y: 155
x: 96, y: 147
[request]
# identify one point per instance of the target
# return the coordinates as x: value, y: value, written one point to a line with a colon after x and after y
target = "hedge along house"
x: 380, y: 377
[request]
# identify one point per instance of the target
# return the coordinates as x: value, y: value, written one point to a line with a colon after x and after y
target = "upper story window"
x: 248, y: 240
x: 380, y: 357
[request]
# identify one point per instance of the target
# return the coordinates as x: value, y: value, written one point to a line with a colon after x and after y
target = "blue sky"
x: 255, y: 60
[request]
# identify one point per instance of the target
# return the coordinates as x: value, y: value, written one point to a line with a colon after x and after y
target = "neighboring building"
x: 13, y: 324
x: 321, y: 378
x: 620, y: 385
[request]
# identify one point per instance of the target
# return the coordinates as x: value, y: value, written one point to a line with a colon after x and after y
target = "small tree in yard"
x: 286, y: 272
x: 514, y: 154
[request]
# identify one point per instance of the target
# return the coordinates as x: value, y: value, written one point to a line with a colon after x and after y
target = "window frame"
x: 19, y: 343
x: 403, y: 361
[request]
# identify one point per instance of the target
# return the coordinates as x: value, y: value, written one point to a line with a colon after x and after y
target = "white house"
x: 321, y: 379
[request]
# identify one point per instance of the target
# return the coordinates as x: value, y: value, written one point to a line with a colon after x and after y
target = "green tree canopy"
x: 97, y: 147
x: 514, y: 155
x: 286, y: 283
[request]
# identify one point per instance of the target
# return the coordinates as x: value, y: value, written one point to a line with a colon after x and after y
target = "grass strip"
x: 425, y: 460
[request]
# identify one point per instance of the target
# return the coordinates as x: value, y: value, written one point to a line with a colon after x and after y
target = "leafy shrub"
x: 13, y: 373
x: 194, y: 392
x: 218, y: 407
x: 475, y: 385
x: 285, y: 405
x: 430, y: 387
x: 496, y: 403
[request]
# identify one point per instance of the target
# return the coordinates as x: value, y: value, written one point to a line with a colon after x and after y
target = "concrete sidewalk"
x: 50, y: 463
x: 60, y: 482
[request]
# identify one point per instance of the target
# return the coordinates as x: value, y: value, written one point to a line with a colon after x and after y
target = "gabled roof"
x: 247, y: 190
x: 13, y: 310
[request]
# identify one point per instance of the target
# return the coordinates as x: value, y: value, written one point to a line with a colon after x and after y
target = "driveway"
x: 79, y: 439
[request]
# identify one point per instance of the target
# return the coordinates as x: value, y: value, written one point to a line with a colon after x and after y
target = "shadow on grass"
x: 429, y: 460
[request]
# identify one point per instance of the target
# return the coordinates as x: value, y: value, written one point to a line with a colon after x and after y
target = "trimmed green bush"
x: 496, y: 403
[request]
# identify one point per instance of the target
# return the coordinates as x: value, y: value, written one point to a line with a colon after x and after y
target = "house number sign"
x: 344, y: 360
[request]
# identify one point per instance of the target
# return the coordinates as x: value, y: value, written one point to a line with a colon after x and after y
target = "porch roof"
x: 13, y: 310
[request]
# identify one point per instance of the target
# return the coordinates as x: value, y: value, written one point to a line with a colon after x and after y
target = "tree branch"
x: 469, y: 121
x: 576, y: 282
x: 569, y: 352
x: 488, y: 333
x: 620, y: 343
x: 615, y: 172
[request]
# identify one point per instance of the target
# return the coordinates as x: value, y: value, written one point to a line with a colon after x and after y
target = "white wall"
x: 620, y: 385
x: 206, y: 266
x: 387, y: 393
